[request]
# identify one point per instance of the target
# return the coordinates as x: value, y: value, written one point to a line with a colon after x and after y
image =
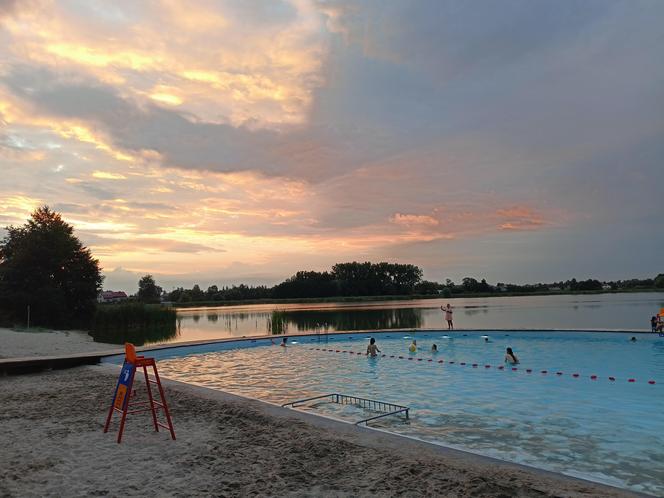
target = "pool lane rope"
x: 611, y: 378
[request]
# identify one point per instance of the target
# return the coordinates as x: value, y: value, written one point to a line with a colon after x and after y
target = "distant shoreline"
x: 408, y: 297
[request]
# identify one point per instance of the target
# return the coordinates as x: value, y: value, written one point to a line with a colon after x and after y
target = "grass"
x: 133, y: 322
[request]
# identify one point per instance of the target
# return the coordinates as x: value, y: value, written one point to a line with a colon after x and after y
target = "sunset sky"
x: 218, y: 142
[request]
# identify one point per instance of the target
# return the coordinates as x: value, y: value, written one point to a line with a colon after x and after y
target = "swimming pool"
x: 559, y: 410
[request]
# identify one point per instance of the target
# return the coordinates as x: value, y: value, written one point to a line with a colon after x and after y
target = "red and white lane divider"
x: 473, y: 365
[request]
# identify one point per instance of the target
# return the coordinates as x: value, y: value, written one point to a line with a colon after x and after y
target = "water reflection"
x: 606, y: 311
x: 329, y: 321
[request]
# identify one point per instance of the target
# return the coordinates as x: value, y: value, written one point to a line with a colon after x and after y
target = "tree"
x: 148, y: 290
x: 44, y: 266
x: 659, y: 281
x: 197, y: 294
x: 427, y: 287
x: 211, y: 292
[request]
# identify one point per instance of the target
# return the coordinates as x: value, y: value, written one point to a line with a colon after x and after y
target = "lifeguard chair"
x: 124, y: 393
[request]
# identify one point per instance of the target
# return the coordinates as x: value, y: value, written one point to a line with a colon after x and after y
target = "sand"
x: 41, y: 342
x: 53, y: 445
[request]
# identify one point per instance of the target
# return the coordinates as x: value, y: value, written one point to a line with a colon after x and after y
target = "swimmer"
x: 413, y: 346
x: 434, y: 348
x: 633, y: 339
x: 448, y: 316
x: 510, y: 357
x: 283, y: 342
x: 372, y: 349
x: 486, y: 338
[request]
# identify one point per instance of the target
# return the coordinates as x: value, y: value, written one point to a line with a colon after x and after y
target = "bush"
x: 133, y: 322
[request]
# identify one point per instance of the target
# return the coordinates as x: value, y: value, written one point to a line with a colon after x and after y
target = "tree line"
x: 343, y: 280
x: 390, y: 279
x: 48, y: 278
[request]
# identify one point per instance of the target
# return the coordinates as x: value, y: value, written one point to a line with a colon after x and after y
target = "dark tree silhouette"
x: 148, y: 290
x: 44, y: 266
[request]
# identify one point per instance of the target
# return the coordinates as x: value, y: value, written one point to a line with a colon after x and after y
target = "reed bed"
x: 133, y: 322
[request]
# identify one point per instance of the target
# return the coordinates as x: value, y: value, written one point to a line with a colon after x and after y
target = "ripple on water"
x: 601, y: 430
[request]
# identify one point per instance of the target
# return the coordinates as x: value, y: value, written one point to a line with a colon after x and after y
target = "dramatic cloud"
x: 222, y: 141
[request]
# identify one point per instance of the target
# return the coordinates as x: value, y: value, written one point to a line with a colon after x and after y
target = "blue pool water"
x: 610, y: 431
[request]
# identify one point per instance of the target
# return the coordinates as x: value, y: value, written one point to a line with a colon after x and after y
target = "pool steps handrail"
x: 371, y: 404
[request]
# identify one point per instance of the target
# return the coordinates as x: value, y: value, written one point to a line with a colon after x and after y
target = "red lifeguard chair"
x: 124, y: 392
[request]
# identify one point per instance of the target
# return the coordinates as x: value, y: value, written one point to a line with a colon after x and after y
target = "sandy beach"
x: 53, y: 445
x: 44, y: 342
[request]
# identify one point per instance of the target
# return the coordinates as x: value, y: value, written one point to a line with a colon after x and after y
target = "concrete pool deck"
x: 229, y: 445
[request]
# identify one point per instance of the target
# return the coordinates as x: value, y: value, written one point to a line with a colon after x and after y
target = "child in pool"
x: 372, y: 349
x: 434, y: 348
x: 510, y: 357
x: 413, y: 346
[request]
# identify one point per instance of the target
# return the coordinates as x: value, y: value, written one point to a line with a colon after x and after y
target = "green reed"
x: 277, y: 323
x: 133, y: 322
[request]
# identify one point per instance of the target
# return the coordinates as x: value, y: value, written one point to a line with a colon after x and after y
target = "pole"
x: 28, y: 316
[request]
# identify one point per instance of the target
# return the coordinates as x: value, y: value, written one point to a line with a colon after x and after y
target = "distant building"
x: 112, y: 296
x: 606, y: 287
x: 555, y: 289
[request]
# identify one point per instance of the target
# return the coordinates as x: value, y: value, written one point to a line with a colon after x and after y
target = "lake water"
x: 597, y: 311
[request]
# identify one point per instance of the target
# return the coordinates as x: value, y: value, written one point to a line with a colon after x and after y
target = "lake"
x: 595, y: 311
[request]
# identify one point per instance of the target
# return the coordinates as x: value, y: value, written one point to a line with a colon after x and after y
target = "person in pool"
x: 448, y: 316
x: 372, y: 349
x: 413, y: 346
x: 633, y: 339
x: 283, y: 342
x: 510, y: 357
x: 653, y: 324
x: 434, y: 348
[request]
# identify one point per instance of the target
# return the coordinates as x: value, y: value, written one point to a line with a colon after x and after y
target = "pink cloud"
x: 413, y: 219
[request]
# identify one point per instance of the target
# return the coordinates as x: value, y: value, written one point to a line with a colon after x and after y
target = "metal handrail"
x: 297, y: 402
x: 370, y: 404
x: 366, y: 420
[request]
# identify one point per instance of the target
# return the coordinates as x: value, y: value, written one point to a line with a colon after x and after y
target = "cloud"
x: 300, y: 133
x: 8, y: 7
x: 522, y: 225
x: 228, y: 63
x: 150, y: 246
x: 106, y: 175
x: 413, y: 219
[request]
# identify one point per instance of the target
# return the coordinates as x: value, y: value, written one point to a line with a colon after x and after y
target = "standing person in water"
x: 413, y: 346
x: 448, y: 316
x: 283, y: 342
x: 510, y: 357
x: 653, y: 324
x: 434, y: 348
x: 372, y: 349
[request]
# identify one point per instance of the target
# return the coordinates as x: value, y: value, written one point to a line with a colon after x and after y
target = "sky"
x: 221, y: 142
